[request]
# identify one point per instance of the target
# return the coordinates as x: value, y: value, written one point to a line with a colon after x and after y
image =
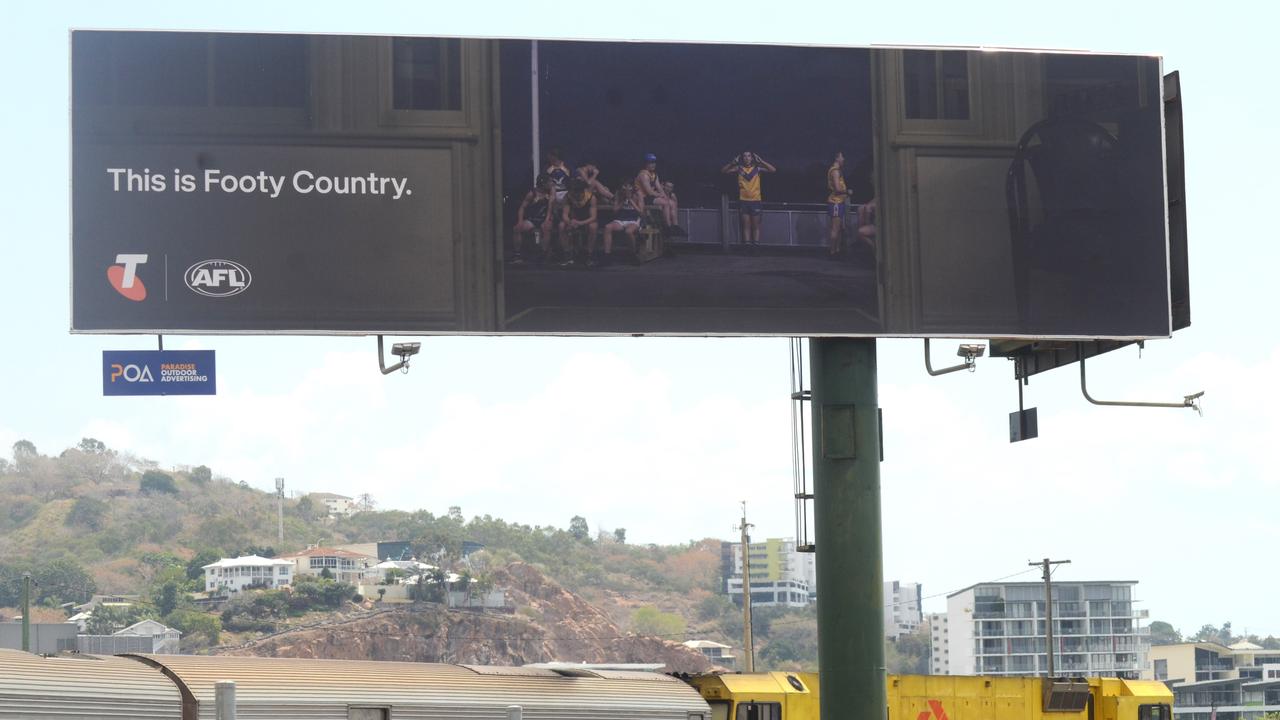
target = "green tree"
x: 88, y: 513
x: 910, y: 652
x: 649, y: 620
x: 1162, y: 633
x: 193, y: 622
x: 62, y: 581
x: 620, y: 536
x: 195, y: 566
x: 792, y: 645
x: 25, y: 456
x: 579, y: 529
x: 305, y: 508
x: 91, y: 446
x: 24, y: 450
x: 326, y: 573
x: 156, y: 482
x: 167, y: 599
x: 107, y: 619
x: 201, y: 474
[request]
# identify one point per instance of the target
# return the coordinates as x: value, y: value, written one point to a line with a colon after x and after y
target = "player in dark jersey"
x: 534, y: 216
x: 627, y: 204
x: 579, y: 214
x: 559, y: 174
x: 748, y: 166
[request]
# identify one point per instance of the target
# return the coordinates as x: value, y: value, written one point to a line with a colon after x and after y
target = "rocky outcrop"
x: 549, y: 624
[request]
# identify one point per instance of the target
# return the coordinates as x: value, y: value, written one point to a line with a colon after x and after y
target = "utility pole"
x: 846, y: 506
x: 280, y: 511
x: 26, y: 612
x: 748, y: 645
x: 1046, y: 567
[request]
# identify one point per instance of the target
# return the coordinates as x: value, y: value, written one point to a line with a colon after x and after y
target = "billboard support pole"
x: 846, y: 488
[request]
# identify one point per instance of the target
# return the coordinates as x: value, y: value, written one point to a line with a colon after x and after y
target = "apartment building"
x: 939, y: 645
x: 902, y: 613
x: 998, y: 629
x: 780, y: 575
x: 1212, y: 681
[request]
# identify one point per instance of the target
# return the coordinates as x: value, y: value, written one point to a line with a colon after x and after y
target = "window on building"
x: 427, y: 74
x: 936, y: 84
x: 759, y: 711
x: 1154, y: 712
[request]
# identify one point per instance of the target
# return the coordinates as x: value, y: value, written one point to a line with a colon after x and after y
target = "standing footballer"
x: 748, y: 167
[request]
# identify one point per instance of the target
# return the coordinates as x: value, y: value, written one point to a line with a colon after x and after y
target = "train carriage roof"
x: 325, y: 688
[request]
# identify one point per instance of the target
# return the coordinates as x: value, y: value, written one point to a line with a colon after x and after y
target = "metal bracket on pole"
x: 970, y: 353
x: 404, y: 350
x: 160, y: 342
x: 1188, y: 401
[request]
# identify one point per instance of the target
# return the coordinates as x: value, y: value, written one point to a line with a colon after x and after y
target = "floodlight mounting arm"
x: 382, y: 363
x: 1188, y: 401
x: 928, y: 363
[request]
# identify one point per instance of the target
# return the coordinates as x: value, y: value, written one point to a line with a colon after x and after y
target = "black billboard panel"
x: 328, y: 184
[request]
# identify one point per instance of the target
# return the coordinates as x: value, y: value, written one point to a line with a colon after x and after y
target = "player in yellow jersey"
x: 748, y: 167
x: 837, y: 199
x: 650, y: 188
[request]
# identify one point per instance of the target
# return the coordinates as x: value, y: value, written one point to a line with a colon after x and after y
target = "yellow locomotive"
x: 794, y: 696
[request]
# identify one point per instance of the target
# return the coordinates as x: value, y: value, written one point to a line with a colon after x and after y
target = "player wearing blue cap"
x: 650, y: 188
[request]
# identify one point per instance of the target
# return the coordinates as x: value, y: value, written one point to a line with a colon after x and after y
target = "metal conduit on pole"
x: 846, y: 488
x: 224, y: 699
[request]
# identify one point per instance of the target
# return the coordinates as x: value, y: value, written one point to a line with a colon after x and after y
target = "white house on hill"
x: 232, y: 575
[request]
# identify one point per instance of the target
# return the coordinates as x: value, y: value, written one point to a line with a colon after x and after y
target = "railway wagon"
x: 182, y: 687
x: 794, y: 696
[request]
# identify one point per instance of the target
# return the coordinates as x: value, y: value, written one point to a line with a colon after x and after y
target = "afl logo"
x: 218, y: 278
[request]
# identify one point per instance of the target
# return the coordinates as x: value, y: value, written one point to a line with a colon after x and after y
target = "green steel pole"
x: 26, y: 612
x: 846, y: 490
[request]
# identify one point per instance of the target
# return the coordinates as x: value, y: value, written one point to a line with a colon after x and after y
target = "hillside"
x: 553, y: 624
x: 92, y: 519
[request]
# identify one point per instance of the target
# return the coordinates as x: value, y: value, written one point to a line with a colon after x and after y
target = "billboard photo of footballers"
x: 687, y: 189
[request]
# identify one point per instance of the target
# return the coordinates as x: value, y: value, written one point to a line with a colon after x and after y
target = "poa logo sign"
x: 131, y: 373
x: 159, y: 372
x: 218, y: 278
x: 123, y: 276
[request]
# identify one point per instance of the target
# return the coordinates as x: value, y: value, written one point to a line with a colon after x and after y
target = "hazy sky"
x: 664, y: 437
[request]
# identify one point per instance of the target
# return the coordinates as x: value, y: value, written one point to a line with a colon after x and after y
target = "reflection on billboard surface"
x: 565, y: 187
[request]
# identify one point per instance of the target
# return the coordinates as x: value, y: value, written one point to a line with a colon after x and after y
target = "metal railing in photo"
x: 796, y: 225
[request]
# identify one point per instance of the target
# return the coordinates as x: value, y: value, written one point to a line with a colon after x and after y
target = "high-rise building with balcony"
x: 780, y: 574
x: 998, y: 629
x: 902, y: 613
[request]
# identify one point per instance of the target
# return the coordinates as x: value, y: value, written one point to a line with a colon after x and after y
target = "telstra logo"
x: 124, y: 276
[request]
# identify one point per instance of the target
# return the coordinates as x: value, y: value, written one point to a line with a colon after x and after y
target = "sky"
x: 664, y: 437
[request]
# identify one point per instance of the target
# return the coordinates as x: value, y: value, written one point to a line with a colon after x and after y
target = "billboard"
x: 329, y: 184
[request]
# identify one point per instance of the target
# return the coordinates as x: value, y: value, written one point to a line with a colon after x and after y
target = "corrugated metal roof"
x: 247, y: 561
x: 84, y: 686
x: 279, y: 688
x: 325, y: 552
